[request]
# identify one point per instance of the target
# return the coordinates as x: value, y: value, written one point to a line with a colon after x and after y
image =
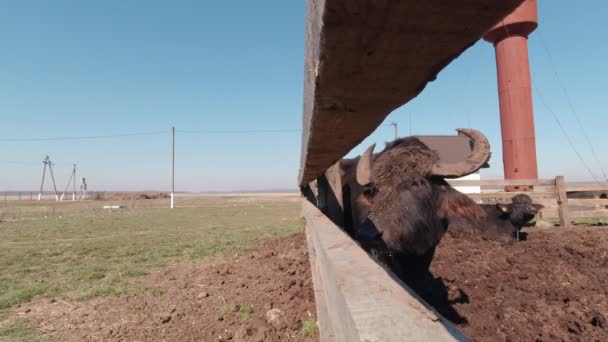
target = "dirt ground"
x: 116, y: 196
x: 226, y: 300
x: 551, y: 287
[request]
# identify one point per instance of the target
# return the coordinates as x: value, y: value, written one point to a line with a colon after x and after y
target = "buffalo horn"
x: 478, y: 157
x: 364, y: 167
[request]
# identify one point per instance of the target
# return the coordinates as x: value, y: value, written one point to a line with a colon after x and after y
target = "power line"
x: 29, y: 163
x: 85, y: 137
x: 19, y: 162
x: 542, y: 100
x: 574, y: 112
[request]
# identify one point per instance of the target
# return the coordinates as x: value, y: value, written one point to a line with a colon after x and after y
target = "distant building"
x: 470, y: 189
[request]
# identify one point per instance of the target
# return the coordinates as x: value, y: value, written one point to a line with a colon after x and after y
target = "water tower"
x: 510, y: 39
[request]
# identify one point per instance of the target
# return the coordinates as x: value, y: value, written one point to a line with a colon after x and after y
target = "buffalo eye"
x: 369, y: 191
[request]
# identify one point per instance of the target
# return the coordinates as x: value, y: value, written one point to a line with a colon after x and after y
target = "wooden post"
x: 329, y: 199
x: 562, y: 201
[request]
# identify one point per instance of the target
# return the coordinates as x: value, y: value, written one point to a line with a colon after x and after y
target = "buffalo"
x: 392, y: 199
x: 467, y: 219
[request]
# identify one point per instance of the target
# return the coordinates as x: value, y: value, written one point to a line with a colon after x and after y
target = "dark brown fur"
x: 395, y: 214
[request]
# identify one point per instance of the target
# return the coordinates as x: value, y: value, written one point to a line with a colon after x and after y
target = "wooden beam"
x: 357, y: 299
x: 504, y: 194
x: 365, y: 58
x: 502, y: 182
x: 587, y: 187
x: 599, y: 202
x: 562, y: 201
x: 327, y: 333
x: 589, y: 213
x: 330, y: 198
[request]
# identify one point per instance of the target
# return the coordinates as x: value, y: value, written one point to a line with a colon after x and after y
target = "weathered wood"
x: 326, y: 331
x: 504, y: 194
x: 360, y: 300
x: 502, y: 182
x: 549, y: 214
x: 587, y: 187
x: 589, y: 213
x: 562, y: 201
x: 365, y: 58
x: 588, y: 201
x: 330, y: 195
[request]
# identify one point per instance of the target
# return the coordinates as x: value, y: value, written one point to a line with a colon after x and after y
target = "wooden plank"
x: 589, y: 213
x: 562, y: 201
x: 365, y: 58
x: 588, y: 201
x: 362, y: 301
x: 326, y: 331
x: 587, y: 187
x: 549, y: 214
x: 502, y: 182
x: 504, y: 194
x: 329, y: 199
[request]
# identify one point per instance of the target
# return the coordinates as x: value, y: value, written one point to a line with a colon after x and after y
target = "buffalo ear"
x: 538, y: 206
x: 504, y: 208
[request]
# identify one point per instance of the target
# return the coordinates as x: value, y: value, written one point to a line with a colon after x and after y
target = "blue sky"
x: 74, y: 68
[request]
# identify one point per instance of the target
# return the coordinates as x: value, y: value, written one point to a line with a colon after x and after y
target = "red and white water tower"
x: 510, y: 39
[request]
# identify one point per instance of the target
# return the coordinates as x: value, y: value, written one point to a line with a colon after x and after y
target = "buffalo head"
x: 389, y: 197
x: 520, y: 211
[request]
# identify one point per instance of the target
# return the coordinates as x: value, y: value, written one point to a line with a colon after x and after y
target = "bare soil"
x: 227, y: 299
x: 551, y: 287
x: 121, y: 196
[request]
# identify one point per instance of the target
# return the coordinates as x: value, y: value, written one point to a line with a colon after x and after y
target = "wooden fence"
x: 359, y: 300
x: 356, y: 72
x: 551, y: 193
x: 33, y: 195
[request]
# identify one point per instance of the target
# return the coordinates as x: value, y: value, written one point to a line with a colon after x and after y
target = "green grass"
x: 586, y: 221
x: 246, y: 312
x: 19, y: 330
x: 227, y: 308
x: 79, y: 251
x: 309, y: 328
x: 589, y: 220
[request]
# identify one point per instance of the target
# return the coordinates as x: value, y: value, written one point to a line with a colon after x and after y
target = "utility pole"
x: 53, y: 178
x: 67, y: 186
x: 394, y: 124
x: 172, y: 167
x: 74, y: 185
x: 43, y: 174
x: 47, y: 162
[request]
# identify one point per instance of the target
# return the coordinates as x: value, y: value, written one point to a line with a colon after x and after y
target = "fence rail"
x: 33, y: 196
x: 587, y: 187
x: 552, y: 193
x: 503, y: 182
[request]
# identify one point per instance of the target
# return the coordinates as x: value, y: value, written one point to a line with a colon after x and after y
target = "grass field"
x: 79, y: 251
